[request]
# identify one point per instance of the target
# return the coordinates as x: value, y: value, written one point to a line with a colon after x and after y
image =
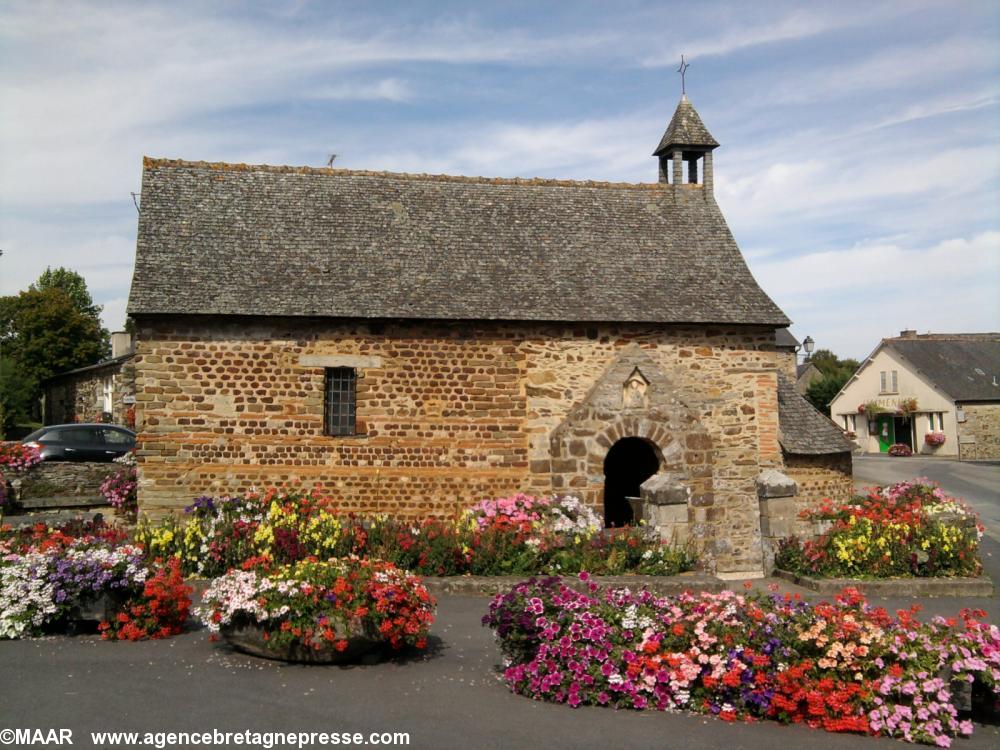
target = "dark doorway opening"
x: 629, y: 463
x: 904, y: 430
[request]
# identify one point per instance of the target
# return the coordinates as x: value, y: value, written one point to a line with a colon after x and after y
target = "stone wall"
x: 449, y: 413
x: 982, y: 424
x: 79, y: 397
x: 819, y: 478
x: 63, y: 484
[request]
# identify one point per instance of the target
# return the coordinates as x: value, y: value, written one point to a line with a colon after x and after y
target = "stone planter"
x: 247, y: 636
x: 100, y: 607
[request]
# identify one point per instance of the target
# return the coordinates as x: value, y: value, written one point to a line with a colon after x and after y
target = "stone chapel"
x: 415, y: 343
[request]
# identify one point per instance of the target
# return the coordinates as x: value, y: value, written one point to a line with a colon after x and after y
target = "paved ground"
x: 450, y: 698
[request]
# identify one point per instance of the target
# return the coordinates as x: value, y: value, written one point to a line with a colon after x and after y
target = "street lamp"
x: 808, y: 344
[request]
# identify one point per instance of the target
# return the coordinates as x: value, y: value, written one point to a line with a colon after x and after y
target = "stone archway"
x: 629, y: 463
x: 633, y: 398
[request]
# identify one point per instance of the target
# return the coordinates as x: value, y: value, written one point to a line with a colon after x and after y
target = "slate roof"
x: 285, y: 241
x: 801, y: 428
x: 104, y: 364
x: 966, y: 367
x: 685, y: 129
x: 784, y: 339
x: 803, y: 368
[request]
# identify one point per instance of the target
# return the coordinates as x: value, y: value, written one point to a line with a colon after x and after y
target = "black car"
x: 81, y: 442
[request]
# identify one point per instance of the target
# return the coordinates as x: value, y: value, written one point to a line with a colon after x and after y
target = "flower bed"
x: 51, y: 577
x: 843, y: 667
x: 520, y: 535
x: 900, y: 449
x: 905, y: 529
x: 15, y: 459
x: 319, y: 611
x: 120, y: 488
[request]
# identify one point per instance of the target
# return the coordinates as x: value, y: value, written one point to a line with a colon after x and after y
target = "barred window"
x: 340, y: 403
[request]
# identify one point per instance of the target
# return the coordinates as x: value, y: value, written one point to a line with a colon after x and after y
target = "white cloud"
x: 113, y: 315
x: 889, y: 68
x: 796, y: 25
x: 89, y: 89
x: 390, y: 89
x: 853, y: 297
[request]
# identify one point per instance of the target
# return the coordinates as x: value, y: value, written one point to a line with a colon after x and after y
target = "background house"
x: 917, y: 384
x: 415, y: 343
x: 104, y: 392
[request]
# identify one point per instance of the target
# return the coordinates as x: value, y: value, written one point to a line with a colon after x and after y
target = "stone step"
x: 63, y: 501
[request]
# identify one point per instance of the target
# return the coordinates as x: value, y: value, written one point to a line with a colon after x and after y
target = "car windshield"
x: 34, y: 436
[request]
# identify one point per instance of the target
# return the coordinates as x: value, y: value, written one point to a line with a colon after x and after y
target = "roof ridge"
x: 149, y: 162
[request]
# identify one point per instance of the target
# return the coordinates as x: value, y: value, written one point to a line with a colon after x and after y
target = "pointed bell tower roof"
x: 686, y: 131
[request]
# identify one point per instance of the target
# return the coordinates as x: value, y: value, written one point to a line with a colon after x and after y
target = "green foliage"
x: 829, y: 363
x: 822, y: 391
x: 73, y: 285
x: 51, y: 327
x: 16, y: 396
x: 835, y: 372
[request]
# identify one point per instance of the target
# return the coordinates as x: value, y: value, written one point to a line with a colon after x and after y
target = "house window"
x: 889, y: 381
x: 340, y: 404
x: 937, y: 420
x: 106, y: 395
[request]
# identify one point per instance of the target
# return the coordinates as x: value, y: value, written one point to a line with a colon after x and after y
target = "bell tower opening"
x: 685, y: 150
x: 629, y: 463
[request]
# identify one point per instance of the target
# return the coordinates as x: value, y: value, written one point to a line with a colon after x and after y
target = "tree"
x: 835, y: 373
x: 73, y: 284
x: 830, y: 364
x: 51, y: 327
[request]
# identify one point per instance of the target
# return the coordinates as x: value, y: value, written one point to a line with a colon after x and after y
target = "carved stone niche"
x: 663, y: 504
x: 634, y: 391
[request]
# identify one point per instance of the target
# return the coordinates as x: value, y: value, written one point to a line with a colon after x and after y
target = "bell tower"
x: 686, y: 142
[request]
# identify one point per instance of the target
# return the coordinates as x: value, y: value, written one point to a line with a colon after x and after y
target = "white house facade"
x: 935, y: 393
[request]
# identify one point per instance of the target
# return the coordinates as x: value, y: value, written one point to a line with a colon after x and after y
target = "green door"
x: 886, y: 432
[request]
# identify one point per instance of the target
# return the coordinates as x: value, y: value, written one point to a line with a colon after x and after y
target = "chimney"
x: 909, y: 333
x: 121, y: 344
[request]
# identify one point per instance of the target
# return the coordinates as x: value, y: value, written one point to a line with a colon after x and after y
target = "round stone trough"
x: 248, y: 637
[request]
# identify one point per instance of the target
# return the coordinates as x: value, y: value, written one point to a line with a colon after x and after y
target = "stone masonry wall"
x: 58, y: 483
x: 982, y: 422
x: 80, y: 398
x: 819, y: 478
x: 447, y: 413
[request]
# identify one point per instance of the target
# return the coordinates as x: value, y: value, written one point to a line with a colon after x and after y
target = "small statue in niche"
x: 634, y: 391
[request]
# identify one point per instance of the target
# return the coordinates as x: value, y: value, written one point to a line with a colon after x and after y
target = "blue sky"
x: 859, y: 168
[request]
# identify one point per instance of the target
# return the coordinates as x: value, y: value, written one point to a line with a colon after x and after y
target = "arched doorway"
x: 629, y: 463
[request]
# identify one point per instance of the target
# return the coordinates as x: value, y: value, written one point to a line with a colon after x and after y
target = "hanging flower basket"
x: 908, y: 406
x: 934, y: 439
x: 872, y: 409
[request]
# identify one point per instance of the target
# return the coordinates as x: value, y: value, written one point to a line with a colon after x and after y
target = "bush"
x: 905, y: 529
x: 841, y: 666
x: 512, y: 536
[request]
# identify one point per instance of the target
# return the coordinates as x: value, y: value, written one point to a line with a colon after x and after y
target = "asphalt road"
x: 452, y: 698
x: 978, y: 483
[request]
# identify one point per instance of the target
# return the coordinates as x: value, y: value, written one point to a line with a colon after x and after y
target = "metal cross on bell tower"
x: 682, y: 70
